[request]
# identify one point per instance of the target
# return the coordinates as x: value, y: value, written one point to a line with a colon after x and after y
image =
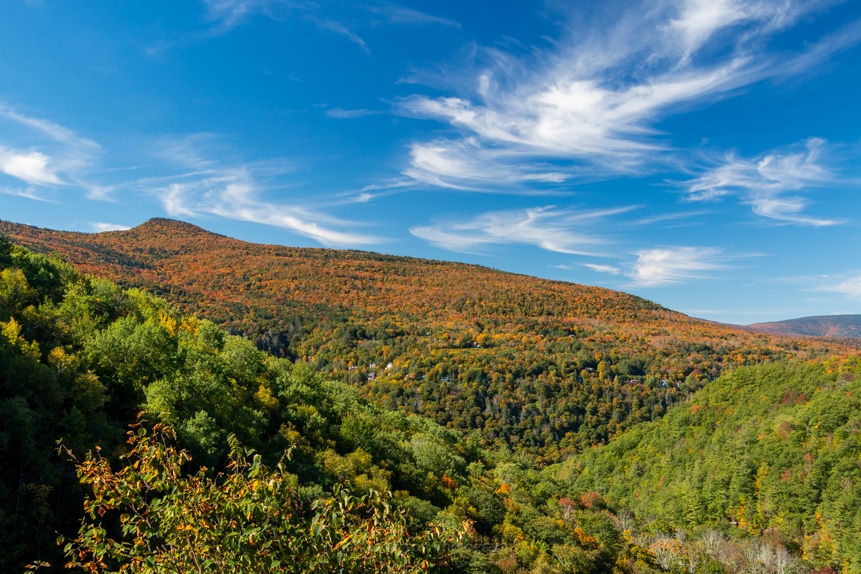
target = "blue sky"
x: 703, y: 154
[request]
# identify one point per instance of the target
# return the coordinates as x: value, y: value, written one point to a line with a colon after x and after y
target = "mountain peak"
x: 161, y: 225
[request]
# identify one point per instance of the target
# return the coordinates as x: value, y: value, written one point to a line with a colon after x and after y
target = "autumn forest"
x: 283, y: 409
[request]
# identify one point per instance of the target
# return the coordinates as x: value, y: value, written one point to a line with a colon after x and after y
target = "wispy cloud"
x: 343, y: 19
x: 100, y: 226
x: 207, y: 187
x: 558, y: 230
x: 466, y: 165
x: 396, y: 14
x: 343, y: 114
x: 232, y: 12
x: 234, y: 194
x: 30, y: 166
x: 765, y: 183
x: 55, y: 156
x: 456, y: 165
x: 850, y: 286
x: 376, y: 190
x: 580, y: 233
x: 54, y: 131
x: 392, y: 184
x: 228, y: 14
x: 342, y: 29
x: 660, y: 267
x: 609, y: 269
x: 594, y: 101
x: 677, y: 219
x: 818, y: 53
x: 25, y: 192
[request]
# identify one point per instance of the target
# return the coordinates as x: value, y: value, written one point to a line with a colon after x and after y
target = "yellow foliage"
x: 190, y: 325
x: 265, y: 399
x: 11, y: 330
x: 168, y: 322
x: 58, y: 358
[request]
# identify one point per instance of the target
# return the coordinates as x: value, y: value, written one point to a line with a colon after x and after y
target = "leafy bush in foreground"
x: 152, y: 516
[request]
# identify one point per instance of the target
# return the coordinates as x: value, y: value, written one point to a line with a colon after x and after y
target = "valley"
x: 514, y: 424
x: 544, y: 368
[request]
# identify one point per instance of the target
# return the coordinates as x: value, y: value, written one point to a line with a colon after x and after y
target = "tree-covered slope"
x: 769, y: 454
x: 836, y: 326
x: 771, y: 450
x: 80, y: 357
x: 538, y: 366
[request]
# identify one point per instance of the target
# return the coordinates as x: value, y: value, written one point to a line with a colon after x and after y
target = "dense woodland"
x: 263, y: 464
x: 540, y: 367
x: 293, y: 463
x: 774, y: 451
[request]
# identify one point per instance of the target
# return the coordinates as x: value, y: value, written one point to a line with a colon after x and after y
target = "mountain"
x: 545, y: 368
x: 755, y: 472
x: 835, y: 326
x: 255, y: 463
x: 252, y: 462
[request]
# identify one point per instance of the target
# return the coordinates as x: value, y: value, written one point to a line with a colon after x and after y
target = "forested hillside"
x: 540, y: 367
x: 266, y: 465
x: 332, y: 483
x: 773, y: 451
x: 837, y: 326
x: 79, y: 358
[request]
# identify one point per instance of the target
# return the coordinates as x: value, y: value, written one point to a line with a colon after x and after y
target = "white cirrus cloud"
x: 50, y: 129
x: 229, y: 14
x: 396, y: 14
x: 698, y: 21
x: 232, y: 13
x: 341, y: 18
x: 595, y: 99
x: 30, y: 166
x: 667, y: 266
x: 376, y: 190
x: 54, y: 155
x: 769, y: 183
x: 609, y: 269
x: 466, y: 166
x: 207, y: 188
x: 343, y: 30
x: 342, y: 114
x: 850, y: 286
x: 234, y: 194
x: 559, y: 230
x: 100, y: 226
x: 29, y: 192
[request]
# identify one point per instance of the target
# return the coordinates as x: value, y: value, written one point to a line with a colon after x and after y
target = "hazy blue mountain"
x: 841, y: 326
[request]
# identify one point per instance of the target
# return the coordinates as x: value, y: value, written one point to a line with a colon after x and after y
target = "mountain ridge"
x: 760, y: 461
x: 833, y: 326
x: 161, y: 226
x: 542, y: 367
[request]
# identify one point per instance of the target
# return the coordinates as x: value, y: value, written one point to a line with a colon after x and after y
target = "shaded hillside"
x: 539, y: 366
x: 771, y: 450
x: 836, y: 326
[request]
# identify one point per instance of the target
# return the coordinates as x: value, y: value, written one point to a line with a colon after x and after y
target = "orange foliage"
x: 543, y: 367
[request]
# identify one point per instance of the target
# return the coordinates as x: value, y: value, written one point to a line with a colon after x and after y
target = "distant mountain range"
x: 836, y: 326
